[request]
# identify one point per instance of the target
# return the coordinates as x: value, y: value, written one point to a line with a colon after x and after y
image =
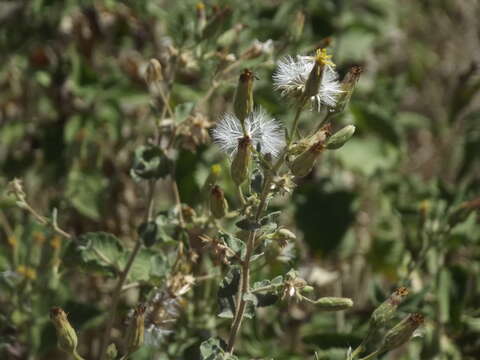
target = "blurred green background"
x: 74, y: 107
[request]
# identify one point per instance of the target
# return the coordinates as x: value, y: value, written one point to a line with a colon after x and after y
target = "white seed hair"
x: 265, y: 132
x: 292, y: 74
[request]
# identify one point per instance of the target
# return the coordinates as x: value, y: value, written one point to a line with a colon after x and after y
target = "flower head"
x: 292, y: 74
x: 266, y: 133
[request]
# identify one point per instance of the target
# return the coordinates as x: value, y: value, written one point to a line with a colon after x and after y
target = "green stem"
x: 371, y: 356
x: 245, y: 276
x: 76, y: 356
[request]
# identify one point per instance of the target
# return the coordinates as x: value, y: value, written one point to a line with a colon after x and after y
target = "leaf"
x: 234, y: 243
x: 148, y: 233
x: 84, y: 191
x: 182, y: 111
x: 215, y: 349
x: 266, y: 299
x: 248, y: 224
x: 97, y: 250
x: 229, y: 284
x: 150, y: 163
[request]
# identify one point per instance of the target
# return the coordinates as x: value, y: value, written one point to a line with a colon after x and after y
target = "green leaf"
x: 84, y: 191
x: 95, y: 251
x: 215, y: 349
x: 182, y: 111
x: 150, y: 162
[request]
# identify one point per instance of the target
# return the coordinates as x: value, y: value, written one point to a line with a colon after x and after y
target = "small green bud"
x: 333, y: 303
x: 135, y: 332
x: 66, y: 337
x: 401, y: 333
x: 303, y: 163
x: 241, y: 161
x: 243, y: 102
x: 348, y: 85
x: 339, y: 139
x: 218, y: 203
x: 384, y: 313
x: 308, y: 289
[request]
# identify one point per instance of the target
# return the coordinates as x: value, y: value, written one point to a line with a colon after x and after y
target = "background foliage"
x: 74, y: 108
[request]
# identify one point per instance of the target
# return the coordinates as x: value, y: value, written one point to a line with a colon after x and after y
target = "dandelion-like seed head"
x: 265, y: 133
x: 292, y: 74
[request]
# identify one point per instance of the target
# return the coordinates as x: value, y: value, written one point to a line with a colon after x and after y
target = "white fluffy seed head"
x: 292, y: 74
x: 266, y: 133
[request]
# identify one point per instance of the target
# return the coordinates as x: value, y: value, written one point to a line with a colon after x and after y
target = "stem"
x: 76, y: 356
x: 245, y: 285
x: 371, y: 356
x: 245, y: 278
x: 240, y: 195
x: 124, y: 274
x: 360, y: 348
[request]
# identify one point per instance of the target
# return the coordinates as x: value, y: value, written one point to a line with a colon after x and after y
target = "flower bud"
x: 201, y: 18
x: 241, y: 161
x: 314, y: 80
x: 384, y: 313
x: 401, y: 333
x: 135, y: 332
x: 212, y: 178
x: 154, y: 72
x: 283, y: 236
x: 303, y: 163
x: 339, y: 139
x: 218, y: 203
x: 348, y: 85
x: 66, y: 337
x: 333, y: 303
x: 243, y: 102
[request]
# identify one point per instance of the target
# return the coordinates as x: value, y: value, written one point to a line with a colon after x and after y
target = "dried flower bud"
x: 303, y: 163
x: 66, y: 337
x: 218, y: 203
x: 241, y: 161
x: 314, y: 80
x: 243, y: 102
x: 348, y: 85
x: 154, y: 72
x: 401, y: 333
x: 135, y: 332
x: 341, y: 137
x: 333, y: 303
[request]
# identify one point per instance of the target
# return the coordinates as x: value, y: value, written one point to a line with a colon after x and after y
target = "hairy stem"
x: 245, y: 278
